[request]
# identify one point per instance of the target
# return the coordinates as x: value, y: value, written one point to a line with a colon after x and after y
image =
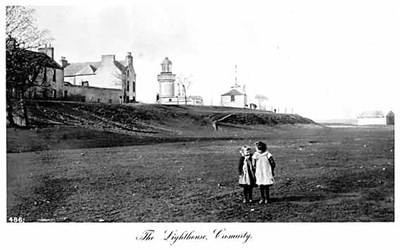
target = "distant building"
x: 166, y: 81
x: 105, y: 81
x: 390, y: 118
x: 168, y: 94
x: 236, y: 97
x: 195, y: 100
x: 371, y: 118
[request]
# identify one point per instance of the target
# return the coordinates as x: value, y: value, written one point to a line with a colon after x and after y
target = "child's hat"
x: 245, y: 149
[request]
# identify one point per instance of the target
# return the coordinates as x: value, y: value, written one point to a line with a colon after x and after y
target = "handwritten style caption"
x: 174, y: 236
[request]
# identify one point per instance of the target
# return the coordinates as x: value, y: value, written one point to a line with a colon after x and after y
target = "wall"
x: 108, y: 75
x: 55, y: 86
x: 93, y: 94
x: 77, y: 80
x: 240, y: 101
x: 181, y: 101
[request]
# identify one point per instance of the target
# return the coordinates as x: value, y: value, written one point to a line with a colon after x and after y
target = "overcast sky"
x: 323, y: 60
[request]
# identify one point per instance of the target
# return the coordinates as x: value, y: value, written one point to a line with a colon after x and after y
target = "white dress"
x: 263, y: 168
x: 247, y: 173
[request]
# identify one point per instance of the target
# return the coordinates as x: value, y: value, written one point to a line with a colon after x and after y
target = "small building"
x: 390, y: 118
x: 195, y: 100
x: 371, y: 118
x: 234, y: 98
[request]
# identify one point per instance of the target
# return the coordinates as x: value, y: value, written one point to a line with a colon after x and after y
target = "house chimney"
x: 63, y: 62
x: 129, y: 59
x: 48, y: 51
x: 107, y: 58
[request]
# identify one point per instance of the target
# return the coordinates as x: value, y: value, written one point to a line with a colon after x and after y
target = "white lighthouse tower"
x: 166, y: 82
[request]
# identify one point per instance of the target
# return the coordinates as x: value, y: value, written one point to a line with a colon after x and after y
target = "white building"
x: 234, y: 98
x: 106, y: 74
x: 168, y: 94
x: 371, y: 118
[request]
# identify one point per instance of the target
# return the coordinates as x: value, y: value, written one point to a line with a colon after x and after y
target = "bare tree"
x: 185, y: 81
x: 23, y: 67
x: 261, y: 99
x: 21, y: 25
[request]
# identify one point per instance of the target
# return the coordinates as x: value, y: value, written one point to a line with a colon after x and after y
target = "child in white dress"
x: 246, y: 174
x: 264, y: 170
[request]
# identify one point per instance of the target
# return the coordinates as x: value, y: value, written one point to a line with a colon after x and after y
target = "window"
x: 65, y: 94
x: 54, y: 76
x: 133, y: 87
x: 98, y: 100
x: 232, y: 98
x: 127, y: 85
x: 45, y: 74
x: 54, y: 93
x: 109, y: 101
x: 85, y: 83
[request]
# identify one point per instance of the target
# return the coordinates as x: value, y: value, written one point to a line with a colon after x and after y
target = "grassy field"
x: 323, y: 175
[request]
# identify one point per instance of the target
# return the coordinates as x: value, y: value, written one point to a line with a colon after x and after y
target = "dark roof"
x: 39, y: 58
x: 232, y: 92
x: 120, y: 65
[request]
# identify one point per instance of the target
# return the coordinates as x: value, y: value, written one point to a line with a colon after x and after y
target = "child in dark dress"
x: 246, y: 174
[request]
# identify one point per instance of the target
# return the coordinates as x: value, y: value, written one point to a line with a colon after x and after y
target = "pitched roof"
x: 38, y: 57
x: 232, y: 92
x: 120, y: 65
x: 86, y: 70
x: 390, y: 113
x: 73, y: 68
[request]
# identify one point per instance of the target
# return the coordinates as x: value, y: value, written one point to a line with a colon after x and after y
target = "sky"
x: 319, y: 59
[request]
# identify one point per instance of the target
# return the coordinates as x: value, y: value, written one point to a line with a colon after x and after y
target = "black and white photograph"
x: 176, y: 124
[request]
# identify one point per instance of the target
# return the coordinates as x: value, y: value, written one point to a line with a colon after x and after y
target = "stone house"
x: 49, y: 82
